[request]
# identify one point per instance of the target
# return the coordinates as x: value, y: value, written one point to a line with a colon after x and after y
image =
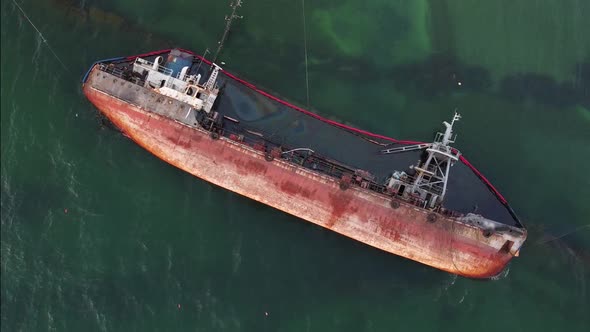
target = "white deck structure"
x: 429, y: 184
x: 183, y: 87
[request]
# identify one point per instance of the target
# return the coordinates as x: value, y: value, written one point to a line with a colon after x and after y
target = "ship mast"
x: 228, y: 22
x: 430, y: 182
x: 432, y: 176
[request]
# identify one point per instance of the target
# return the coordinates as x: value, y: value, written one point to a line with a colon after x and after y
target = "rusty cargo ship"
x: 398, y: 196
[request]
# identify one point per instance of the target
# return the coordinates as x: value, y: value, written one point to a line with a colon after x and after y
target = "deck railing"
x: 150, y: 66
x: 303, y: 157
x: 121, y: 73
x: 323, y: 165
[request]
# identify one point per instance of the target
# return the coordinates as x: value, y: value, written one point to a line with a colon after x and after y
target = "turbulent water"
x: 97, y: 234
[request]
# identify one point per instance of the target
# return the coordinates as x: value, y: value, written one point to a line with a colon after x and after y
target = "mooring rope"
x: 575, y: 230
x: 305, y: 49
x: 40, y: 35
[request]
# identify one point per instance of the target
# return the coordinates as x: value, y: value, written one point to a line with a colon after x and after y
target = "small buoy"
x: 266, y: 313
x: 66, y: 210
x: 179, y: 306
x: 76, y: 114
x: 459, y: 83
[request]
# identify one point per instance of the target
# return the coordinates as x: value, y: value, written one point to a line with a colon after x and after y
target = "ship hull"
x: 359, y: 214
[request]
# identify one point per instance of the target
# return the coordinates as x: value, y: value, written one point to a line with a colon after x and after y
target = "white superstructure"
x: 182, y: 87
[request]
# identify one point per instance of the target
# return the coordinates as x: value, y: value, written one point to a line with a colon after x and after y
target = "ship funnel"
x: 183, y: 72
x: 157, y: 63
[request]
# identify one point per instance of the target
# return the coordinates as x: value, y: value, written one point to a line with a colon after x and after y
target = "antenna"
x: 449, y: 131
x: 228, y: 21
x: 202, y: 59
x: 456, y: 117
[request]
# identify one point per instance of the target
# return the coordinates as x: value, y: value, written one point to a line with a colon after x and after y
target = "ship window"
x: 198, y: 95
x: 189, y: 91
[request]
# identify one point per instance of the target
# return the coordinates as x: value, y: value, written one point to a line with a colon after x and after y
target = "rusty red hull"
x: 356, y: 213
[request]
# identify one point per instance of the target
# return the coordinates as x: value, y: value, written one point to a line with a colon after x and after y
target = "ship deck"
x: 249, y: 112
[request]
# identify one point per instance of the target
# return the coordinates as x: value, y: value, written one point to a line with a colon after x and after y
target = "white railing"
x: 111, y: 70
x: 150, y: 66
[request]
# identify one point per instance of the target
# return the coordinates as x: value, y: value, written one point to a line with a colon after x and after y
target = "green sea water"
x: 99, y: 235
